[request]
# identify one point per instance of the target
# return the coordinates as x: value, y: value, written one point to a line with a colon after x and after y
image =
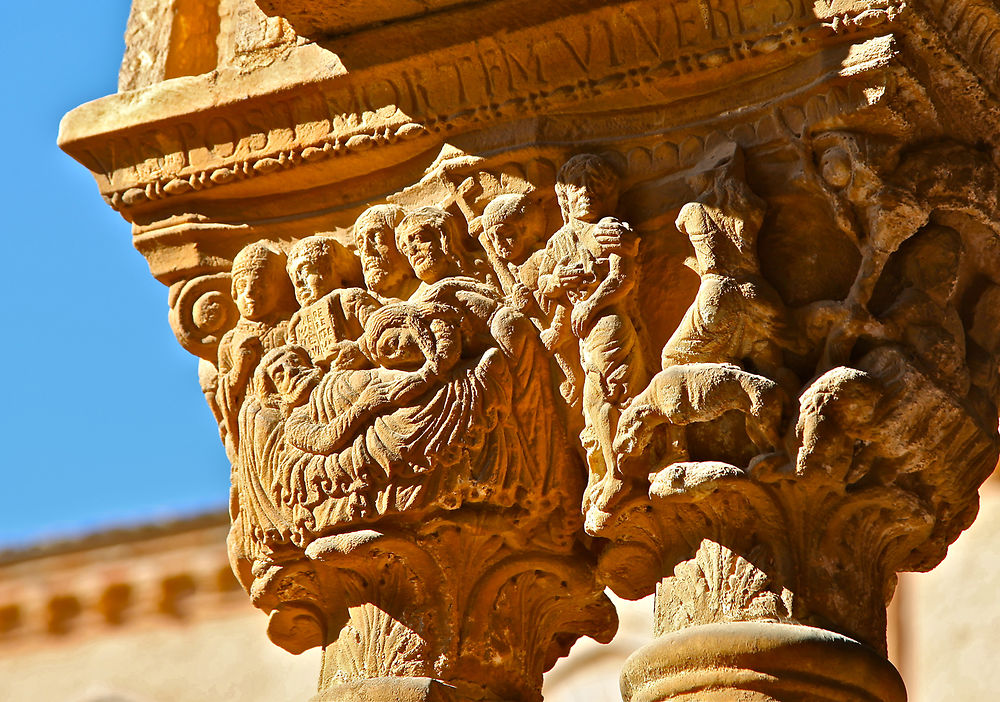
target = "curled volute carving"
x: 201, y: 312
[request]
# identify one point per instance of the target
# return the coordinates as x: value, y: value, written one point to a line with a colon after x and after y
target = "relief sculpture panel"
x: 489, y: 381
x: 418, y: 408
x: 697, y: 299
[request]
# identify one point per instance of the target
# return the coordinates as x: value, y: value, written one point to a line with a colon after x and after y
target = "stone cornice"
x: 179, y: 137
x: 149, y: 575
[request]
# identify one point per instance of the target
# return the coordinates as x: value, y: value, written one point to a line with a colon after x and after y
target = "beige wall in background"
x: 222, y: 660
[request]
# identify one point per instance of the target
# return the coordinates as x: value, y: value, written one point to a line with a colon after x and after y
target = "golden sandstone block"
x: 503, y: 303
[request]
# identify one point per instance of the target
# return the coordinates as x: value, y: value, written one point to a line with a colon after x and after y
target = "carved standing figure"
x: 506, y: 223
x: 330, y: 315
x: 590, y: 268
x: 429, y: 238
x: 261, y: 291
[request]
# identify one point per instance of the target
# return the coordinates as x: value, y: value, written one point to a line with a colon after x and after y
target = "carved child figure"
x: 330, y: 315
x: 260, y: 290
x: 589, y: 268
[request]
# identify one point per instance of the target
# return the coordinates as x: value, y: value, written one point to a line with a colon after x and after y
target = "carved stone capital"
x: 723, y: 277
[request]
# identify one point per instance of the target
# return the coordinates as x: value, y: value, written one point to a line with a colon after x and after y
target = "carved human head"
x: 285, y: 377
x: 505, y: 222
x: 403, y: 336
x: 429, y: 238
x: 385, y: 269
x: 931, y: 261
x: 259, y: 281
x: 312, y: 269
x: 587, y: 188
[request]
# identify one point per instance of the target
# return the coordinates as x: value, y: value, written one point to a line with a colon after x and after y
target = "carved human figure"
x: 429, y: 238
x: 409, y: 346
x: 330, y: 315
x: 922, y: 316
x: 506, y: 222
x: 737, y: 316
x: 387, y: 274
x: 260, y: 290
x: 589, y: 267
x: 878, y: 217
x: 408, y: 431
x: 283, y: 379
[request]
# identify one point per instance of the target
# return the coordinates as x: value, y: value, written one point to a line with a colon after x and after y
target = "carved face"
x: 253, y: 292
x: 423, y: 244
x: 588, y: 204
x: 399, y: 349
x: 380, y: 261
x: 508, y: 239
x: 294, y: 376
x: 312, y: 280
x: 835, y: 167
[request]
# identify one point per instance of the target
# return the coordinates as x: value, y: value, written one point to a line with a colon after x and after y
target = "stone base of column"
x: 403, y: 690
x: 759, y: 662
x: 390, y: 690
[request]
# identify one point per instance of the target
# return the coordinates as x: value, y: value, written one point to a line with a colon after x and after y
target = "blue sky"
x: 103, y: 422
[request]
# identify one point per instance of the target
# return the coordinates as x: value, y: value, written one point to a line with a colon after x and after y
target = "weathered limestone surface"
x: 500, y: 303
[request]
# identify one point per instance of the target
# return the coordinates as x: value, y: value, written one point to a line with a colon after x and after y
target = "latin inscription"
x: 496, y: 71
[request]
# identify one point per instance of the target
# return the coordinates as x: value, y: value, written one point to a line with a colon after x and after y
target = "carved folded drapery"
x: 697, y: 298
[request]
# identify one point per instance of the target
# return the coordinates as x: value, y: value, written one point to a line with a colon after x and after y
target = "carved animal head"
x: 634, y: 430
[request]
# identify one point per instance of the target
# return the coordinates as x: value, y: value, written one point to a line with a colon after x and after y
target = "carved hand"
x: 520, y: 297
x: 249, y: 347
x: 614, y: 236
x: 580, y: 320
x: 246, y: 356
x: 376, y: 394
x: 568, y: 276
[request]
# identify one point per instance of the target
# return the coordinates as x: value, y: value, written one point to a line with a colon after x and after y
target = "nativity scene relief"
x: 489, y: 357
